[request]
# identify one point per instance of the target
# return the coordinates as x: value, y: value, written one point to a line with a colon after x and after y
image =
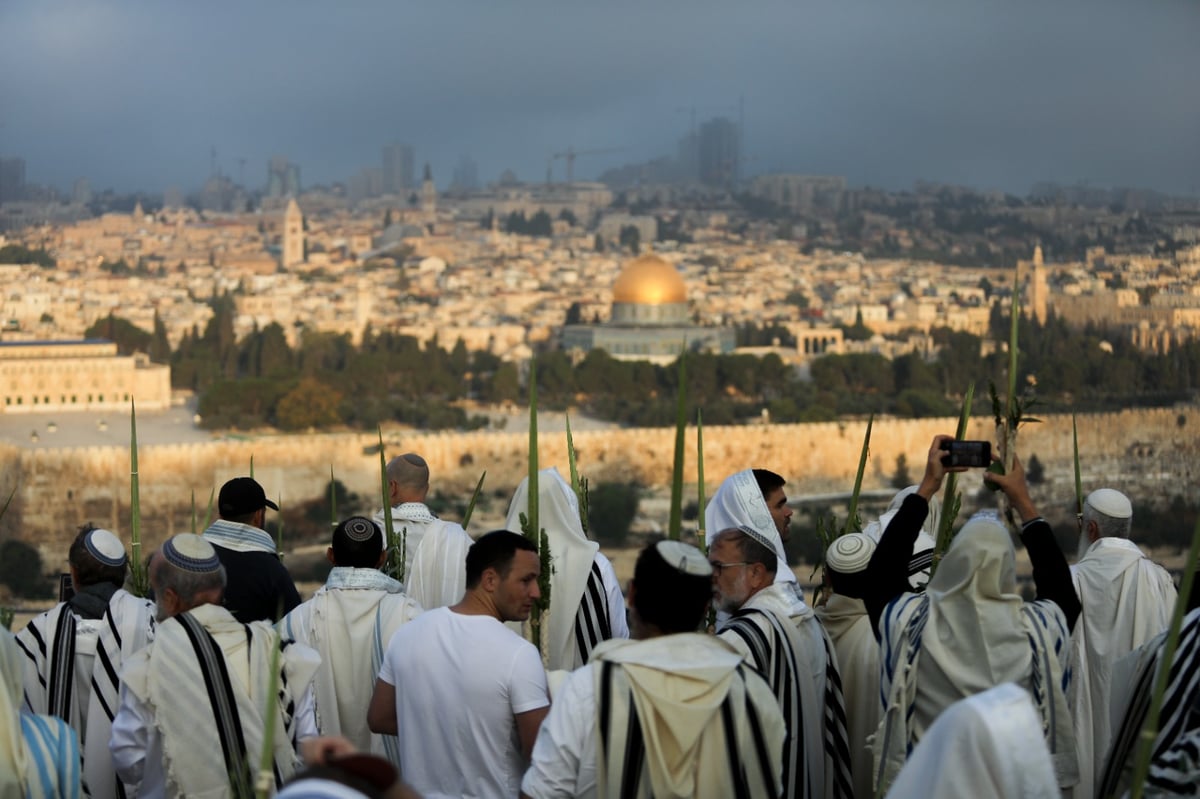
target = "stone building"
x: 77, y: 376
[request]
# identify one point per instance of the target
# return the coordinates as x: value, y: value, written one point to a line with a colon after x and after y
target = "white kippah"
x: 105, y: 547
x: 1111, y: 503
x: 684, y: 557
x: 191, y: 553
x: 850, y: 553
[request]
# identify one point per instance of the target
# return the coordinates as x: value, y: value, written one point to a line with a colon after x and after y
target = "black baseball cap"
x: 242, y: 495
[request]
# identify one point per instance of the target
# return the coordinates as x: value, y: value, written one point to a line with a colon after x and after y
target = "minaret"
x: 1038, y: 290
x: 293, y: 235
x: 428, y: 194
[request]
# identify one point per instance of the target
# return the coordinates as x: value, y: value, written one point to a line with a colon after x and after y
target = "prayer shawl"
x: 51, y: 683
x: 989, y: 746
x: 39, y: 756
x: 681, y: 716
x: 239, y: 537
x: 787, y: 645
x: 739, y: 503
x: 1175, y: 759
x: 580, y: 617
x: 210, y: 718
x: 355, y: 613
x: 849, y: 628
x: 967, y: 633
x: 1127, y: 600
x: 921, y: 562
x: 435, y: 555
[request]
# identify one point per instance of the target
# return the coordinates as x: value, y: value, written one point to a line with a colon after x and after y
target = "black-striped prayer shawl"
x: 775, y: 648
x: 211, y: 724
x: 621, y: 770
x: 1175, y: 760
x: 592, y: 625
x: 126, y: 626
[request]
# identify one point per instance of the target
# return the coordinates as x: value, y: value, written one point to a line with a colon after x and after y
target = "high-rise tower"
x: 293, y: 235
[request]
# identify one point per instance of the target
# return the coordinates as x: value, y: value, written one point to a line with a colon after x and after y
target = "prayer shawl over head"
x: 922, y: 558
x: 739, y: 502
x: 787, y: 645
x: 580, y: 617
x: 210, y: 718
x: 1175, y: 758
x: 967, y: 633
x: 1127, y: 600
x: 54, y: 643
x: 682, y: 716
x: 435, y: 555
x: 989, y: 746
x: 349, y: 622
x: 38, y: 754
x: 849, y: 628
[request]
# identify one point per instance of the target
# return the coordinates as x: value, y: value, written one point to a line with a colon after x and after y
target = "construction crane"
x: 569, y: 155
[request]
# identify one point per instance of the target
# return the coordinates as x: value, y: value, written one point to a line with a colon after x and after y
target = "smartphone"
x: 972, y: 454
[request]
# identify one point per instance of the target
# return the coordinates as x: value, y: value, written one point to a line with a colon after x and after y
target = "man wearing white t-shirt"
x: 464, y: 694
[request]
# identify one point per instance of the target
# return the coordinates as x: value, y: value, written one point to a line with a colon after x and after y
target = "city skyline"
x: 134, y: 95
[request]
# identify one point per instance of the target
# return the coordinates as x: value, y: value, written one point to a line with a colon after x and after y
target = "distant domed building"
x: 650, y: 318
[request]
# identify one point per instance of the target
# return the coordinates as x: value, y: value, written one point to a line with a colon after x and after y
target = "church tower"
x: 293, y: 235
x: 428, y: 195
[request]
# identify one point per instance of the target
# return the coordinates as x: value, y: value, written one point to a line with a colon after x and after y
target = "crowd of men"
x: 709, y: 676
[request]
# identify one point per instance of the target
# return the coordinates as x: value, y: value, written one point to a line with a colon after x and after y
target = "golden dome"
x: 649, y: 280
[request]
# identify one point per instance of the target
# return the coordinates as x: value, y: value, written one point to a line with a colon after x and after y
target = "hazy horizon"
x: 134, y: 94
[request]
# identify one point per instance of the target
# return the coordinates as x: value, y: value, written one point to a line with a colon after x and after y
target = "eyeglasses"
x: 717, y: 566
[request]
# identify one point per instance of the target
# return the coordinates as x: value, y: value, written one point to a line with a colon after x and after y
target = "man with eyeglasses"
x: 781, y: 637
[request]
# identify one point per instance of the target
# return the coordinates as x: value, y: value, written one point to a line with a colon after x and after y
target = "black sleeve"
x: 887, y: 573
x: 289, y: 597
x: 1051, y: 574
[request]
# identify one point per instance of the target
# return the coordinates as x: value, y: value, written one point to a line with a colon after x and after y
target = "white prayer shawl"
x: 435, y: 555
x: 849, y: 627
x: 682, y: 716
x: 969, y: 632
x: 739, y: 502
x: 580, y: 616
x: 353, y: 614
x: 39, y: 756
x: 781, y: 637
x: 53, y: 687
x: 1127, y: 599
x: 988, y: 746
x: 206, y: 678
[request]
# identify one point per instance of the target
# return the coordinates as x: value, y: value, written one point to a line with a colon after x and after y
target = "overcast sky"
x: 132, y: 94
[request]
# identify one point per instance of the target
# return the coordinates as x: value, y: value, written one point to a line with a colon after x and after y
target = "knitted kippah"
x: 191, y: 553
x: 850, y: 553
x: 684, y: 557
x: 359, y: 528
x: 105, y: 547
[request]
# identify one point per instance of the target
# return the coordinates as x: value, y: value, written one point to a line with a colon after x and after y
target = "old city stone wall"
x: 1149, y: 453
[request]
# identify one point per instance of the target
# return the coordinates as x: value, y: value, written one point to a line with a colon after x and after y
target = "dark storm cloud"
x: 996, y: 93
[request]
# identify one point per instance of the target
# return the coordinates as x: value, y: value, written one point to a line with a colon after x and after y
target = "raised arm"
x: 887, y: 573
x: 1051, y: 575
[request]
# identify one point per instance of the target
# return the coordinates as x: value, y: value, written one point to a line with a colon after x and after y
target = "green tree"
x: 160, y: 346
x: 21, y: 570
x: 310, y: 403
x: 611, y: 511
x: 631, y: 239
x: 128, y: 337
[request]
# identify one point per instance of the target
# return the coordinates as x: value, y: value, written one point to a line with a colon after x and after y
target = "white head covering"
x: 571, y: 554
x: 739, y: 502
x: 314, y: 788
x: 1111, y: 503
x: 850, y: 553
x: 974, y: 633
x: 989, y: 746
x: 919, y: 566
x: 105, y: 547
